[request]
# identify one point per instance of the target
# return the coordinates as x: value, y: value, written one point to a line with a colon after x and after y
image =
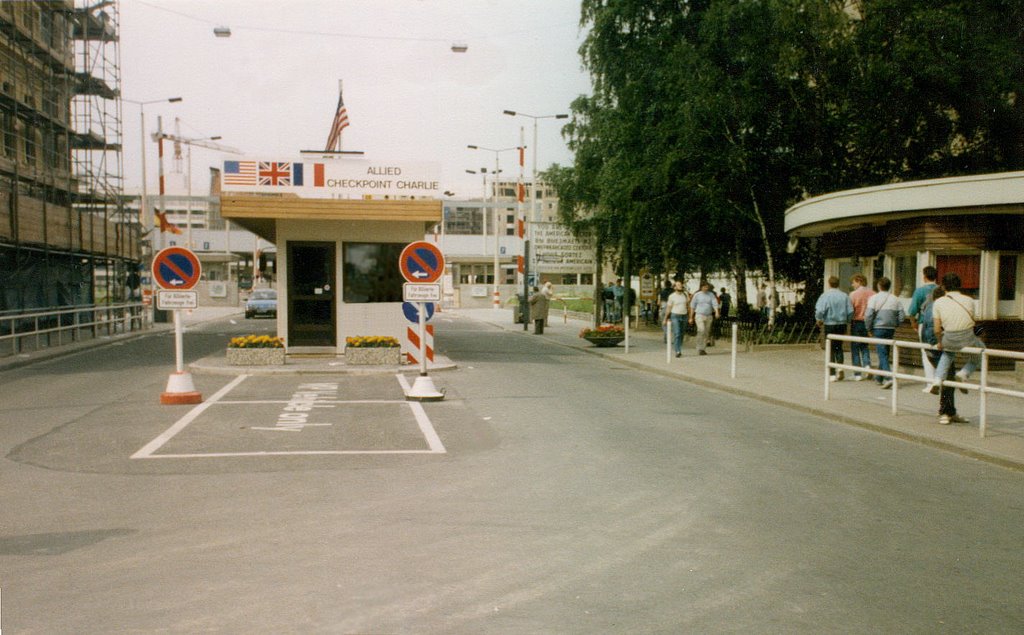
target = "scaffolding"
x: 64, y: 238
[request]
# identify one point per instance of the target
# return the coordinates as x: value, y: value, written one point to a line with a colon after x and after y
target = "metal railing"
x: 55, y: 327
x: 895, y: 375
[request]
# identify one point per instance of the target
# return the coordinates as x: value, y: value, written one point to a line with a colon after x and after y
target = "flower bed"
x: 604, y: 335
x: 255, y: 350
x: 372, y: 350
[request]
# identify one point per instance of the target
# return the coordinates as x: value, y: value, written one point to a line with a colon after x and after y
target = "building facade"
x: 64, y: 237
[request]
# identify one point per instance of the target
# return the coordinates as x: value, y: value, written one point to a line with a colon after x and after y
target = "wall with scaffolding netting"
x: 64, y: 236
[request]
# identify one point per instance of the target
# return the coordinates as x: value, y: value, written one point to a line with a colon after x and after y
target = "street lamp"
x: 144, y: 218
x: 533, y: 187
x: 497, y: 170
x: 188, y: 205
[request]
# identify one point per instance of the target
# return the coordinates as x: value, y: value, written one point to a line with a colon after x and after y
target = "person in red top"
x: 861, y: 353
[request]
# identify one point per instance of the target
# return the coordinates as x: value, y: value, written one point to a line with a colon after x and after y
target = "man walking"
x: 833, y: 312
x: 704, y: 308
x: 675, y: 316
x: 883, y: 315
x: 919, y: 303
x: 859, y: 351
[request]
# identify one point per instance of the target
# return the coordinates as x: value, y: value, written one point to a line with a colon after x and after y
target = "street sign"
x: 412, y: 311
x: 176, y: 269
x: 421, y: 262
x: 420, y: 292
x: 170, y: 300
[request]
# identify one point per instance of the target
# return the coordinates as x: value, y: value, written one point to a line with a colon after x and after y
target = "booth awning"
x: 260, y: 214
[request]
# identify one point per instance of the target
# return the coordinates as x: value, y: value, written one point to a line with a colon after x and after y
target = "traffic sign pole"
x: 178, y: 269
x: 422, y: 262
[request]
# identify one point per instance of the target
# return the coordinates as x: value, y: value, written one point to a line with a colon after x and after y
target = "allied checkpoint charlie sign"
x: 331, y: 178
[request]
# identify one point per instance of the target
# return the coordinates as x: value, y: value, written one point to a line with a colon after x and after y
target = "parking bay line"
x: 422, y: 420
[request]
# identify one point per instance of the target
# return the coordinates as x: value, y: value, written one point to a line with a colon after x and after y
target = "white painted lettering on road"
x: 294, y: 417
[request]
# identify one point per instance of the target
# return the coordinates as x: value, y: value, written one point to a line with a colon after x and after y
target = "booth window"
x: 1007, y: 278
x: 371, y: 272
x: 967, y: 267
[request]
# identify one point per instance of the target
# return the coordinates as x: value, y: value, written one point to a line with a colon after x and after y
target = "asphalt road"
x: 572, y: 496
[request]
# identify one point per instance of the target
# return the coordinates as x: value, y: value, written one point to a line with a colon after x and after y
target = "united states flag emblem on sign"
x: 239, y: 173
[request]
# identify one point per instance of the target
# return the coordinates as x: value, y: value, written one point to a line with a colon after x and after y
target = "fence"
x: 983, y: 387
x: 794, y: 332
x: 56, y: 327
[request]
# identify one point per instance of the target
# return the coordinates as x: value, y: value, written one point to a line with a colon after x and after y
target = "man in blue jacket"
x: 884, y: 314
x: 833, y: 312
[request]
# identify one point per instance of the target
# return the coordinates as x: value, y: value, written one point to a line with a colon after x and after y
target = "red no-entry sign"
x: 176, y: 269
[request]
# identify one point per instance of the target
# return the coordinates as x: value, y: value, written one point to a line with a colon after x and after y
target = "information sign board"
x: 172, y: 300
x: 420, y: 292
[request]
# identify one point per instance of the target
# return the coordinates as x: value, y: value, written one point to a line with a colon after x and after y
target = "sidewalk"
x: 189, y: 318
x: 793, y: 376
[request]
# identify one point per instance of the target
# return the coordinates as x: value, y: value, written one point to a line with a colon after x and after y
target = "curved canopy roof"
x: 1001, y: 193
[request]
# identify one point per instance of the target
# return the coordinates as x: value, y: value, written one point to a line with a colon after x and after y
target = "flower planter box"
x: 376, y: 356
x: 255, y: 356
x: 606, y: 341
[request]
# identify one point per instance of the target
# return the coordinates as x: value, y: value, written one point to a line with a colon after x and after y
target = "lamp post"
x: 497, y: 170
x: 188, y: 204
x: 533, y: 188
x: 144, y: 218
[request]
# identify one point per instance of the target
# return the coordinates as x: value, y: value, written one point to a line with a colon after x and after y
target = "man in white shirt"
x: 953, y: 318
x: 704, y: 309
x: 675, y: 315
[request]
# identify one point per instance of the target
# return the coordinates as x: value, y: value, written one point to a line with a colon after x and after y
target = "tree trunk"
x: 768, y: 259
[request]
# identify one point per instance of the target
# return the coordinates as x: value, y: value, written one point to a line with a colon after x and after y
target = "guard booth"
x: 337, y: 258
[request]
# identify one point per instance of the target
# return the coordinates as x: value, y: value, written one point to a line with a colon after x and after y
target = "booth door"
x: 311, y: 294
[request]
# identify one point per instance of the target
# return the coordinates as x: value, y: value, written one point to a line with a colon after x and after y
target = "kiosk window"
x: 371, y: 272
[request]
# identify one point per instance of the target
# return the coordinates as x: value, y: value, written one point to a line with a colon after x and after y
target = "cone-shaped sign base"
x: 180, y: 391
x: 423, y: 390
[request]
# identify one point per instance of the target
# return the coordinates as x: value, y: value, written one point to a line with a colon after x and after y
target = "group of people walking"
x: 941, y: 314
x: 700, y: 310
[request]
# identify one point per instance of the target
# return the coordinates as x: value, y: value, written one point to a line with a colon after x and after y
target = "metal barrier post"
x: 735, y: 336
x: 828, y: 346
x: 983, y: 409
x: 895, y: 371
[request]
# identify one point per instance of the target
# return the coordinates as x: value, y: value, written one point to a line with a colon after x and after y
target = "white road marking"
x: 422, y: 420
x: 154, y: 445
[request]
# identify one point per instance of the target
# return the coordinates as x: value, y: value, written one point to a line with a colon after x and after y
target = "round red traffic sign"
x: 421, y: 262
x: 176, y: 268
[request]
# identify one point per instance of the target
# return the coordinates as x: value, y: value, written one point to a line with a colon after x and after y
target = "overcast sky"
x: 271, y: 89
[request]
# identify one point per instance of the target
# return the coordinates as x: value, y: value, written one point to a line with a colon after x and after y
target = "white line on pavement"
x: 154, y: 445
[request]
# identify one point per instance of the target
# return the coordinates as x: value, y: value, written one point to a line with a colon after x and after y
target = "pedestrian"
x: 883, y: 315
x: 548, y: 290
x: 918, y: 304
x: 676, y: 312
x: 762, y: 301
x: 618, y: 292
x: 947, y: 396
x: 953, y: 319
x: 704, y: 309
x: 666, y: 291
x: 539, y: 303
x: 859, y: 351
x: 608, y: 302
x: 725, y: 302
x: 833, y: 312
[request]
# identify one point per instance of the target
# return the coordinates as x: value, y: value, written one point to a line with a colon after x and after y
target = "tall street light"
x: 144, y: 217
x: 497, y: 151
x: 533, y: 188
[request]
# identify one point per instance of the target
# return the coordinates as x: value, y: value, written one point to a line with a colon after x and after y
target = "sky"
x: 271, y: 88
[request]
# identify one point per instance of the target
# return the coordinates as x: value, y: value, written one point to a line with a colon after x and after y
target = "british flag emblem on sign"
x: 274, y: 173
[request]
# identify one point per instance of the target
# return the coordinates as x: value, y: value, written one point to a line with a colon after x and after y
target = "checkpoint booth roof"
x: 339, y: 226
x: 970, y: 225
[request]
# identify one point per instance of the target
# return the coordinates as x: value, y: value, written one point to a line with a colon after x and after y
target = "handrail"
x: 984, y: 389
x: 69, y: 323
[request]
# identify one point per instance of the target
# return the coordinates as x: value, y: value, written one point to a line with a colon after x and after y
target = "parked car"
x: 262, y: 303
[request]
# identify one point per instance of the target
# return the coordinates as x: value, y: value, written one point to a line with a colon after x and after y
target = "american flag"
x: 339, y: 124
x: 239, y: 173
